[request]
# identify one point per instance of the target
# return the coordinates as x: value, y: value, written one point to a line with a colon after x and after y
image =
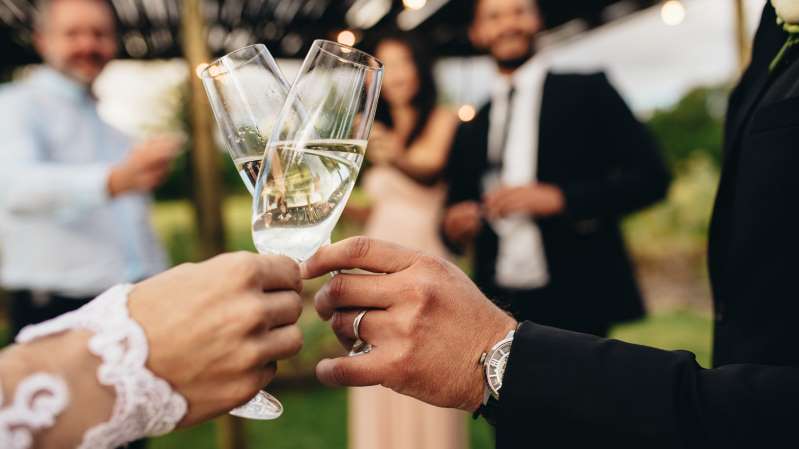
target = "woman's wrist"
x: 66, y: 357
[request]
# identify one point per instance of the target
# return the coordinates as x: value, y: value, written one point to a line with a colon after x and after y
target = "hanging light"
x: 466, y: 113
x: 414, y: 4
x: 346, y: 37
x: 672, y: 12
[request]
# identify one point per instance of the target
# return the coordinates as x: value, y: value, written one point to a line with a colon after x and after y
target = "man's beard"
x: 514, y: 63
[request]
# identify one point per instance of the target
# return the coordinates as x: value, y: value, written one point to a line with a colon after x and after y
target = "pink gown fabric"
x: 406, y: 213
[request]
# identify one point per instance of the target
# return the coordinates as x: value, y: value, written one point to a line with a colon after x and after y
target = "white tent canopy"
x: 653, y: 64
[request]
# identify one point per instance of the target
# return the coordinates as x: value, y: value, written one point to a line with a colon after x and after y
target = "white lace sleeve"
x: 39, y: 399
x: 145, y: 404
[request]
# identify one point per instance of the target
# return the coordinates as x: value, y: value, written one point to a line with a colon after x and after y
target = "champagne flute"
x: 315, y: 151
x: 247, y: 90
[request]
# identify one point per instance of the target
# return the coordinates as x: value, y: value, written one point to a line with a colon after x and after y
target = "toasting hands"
x: 427, y: 322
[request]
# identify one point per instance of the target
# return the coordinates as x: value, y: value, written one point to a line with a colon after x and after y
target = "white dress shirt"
x: 521, y: 261
x: 59, y: 229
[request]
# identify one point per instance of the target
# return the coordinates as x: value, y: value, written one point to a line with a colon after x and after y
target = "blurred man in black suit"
x: 542, y: 176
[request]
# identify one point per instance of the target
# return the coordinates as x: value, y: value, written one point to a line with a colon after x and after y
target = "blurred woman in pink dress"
x: 408, y: 149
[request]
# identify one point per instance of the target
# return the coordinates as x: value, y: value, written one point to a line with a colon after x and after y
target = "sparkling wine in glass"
x: 247, y: 90
x: 315, y: 151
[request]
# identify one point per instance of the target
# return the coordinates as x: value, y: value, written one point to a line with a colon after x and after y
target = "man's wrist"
x: 500, y: 331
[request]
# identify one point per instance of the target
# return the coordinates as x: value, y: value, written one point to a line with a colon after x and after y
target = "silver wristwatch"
x: 494, y: 362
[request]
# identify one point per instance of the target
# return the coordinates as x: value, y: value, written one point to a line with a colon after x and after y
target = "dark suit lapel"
x: 738, y: 121
x: 548, y: 116
x: 756, y: 80
x: 743, y: 103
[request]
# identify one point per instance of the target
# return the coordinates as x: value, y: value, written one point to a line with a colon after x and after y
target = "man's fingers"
x: 376, y: 256
x: 359, y: 371
x: 279, y: 273
x: 371, y: 329
x: 354, y: 291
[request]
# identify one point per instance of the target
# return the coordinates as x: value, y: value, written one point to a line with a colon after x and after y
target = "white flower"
x: 787, y: 10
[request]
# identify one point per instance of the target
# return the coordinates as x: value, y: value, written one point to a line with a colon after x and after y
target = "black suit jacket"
x: 607, y: 164
x: 569, y: 390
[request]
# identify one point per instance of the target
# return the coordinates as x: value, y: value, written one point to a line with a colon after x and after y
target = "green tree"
x: 694, y: 124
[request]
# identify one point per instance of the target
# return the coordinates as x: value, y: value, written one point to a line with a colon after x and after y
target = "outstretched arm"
x: 429, y: 324
x: 175, y: 350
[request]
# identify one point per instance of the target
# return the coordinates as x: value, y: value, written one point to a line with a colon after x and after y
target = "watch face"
x: 495, y: 365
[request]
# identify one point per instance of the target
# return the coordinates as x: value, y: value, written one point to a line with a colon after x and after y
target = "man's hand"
x: 145, y: 168
x: 538, y: 200
x: 216, y: 328
x: 462, y: 221
x: 427, y: 322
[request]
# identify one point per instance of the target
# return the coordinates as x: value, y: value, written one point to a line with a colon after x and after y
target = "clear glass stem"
x: 262, y: 407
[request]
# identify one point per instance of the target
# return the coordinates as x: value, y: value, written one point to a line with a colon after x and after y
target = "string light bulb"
x: 414, y: 4
x: 672, y: 12
x: 346, y: 37
x: 466, y: 113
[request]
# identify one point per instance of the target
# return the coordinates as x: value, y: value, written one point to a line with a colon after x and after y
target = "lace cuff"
x: 145, y: 404
x: 39, y: 399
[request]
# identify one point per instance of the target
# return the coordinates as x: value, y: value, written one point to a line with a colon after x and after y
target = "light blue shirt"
x: 59, y: 229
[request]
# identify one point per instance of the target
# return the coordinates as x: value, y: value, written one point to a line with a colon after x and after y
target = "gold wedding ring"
x: 359, y: 347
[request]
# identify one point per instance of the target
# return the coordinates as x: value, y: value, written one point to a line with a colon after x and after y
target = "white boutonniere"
x: 788, y: 19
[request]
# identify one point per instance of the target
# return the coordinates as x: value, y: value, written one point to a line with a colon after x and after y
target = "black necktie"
x: 497, y: 164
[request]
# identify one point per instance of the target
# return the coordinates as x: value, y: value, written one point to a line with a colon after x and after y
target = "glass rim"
x: 322, y: 43
x: 205, y: 73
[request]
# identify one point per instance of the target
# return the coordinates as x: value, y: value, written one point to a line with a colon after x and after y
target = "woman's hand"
x: 384, y: 146
x: 216, y: 328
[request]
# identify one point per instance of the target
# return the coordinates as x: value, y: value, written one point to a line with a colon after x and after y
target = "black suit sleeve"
x: 569, y: 390
x: 636, y: 175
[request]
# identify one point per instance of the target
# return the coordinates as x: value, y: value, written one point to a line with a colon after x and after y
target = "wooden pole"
x: 742, y: 36
x: 207, y: 185
x: 205, y: 158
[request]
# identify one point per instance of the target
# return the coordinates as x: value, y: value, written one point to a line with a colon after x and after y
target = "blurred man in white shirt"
x: 74, y: 191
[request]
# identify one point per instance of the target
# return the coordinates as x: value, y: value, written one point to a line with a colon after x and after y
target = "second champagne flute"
x: 316, y: 150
